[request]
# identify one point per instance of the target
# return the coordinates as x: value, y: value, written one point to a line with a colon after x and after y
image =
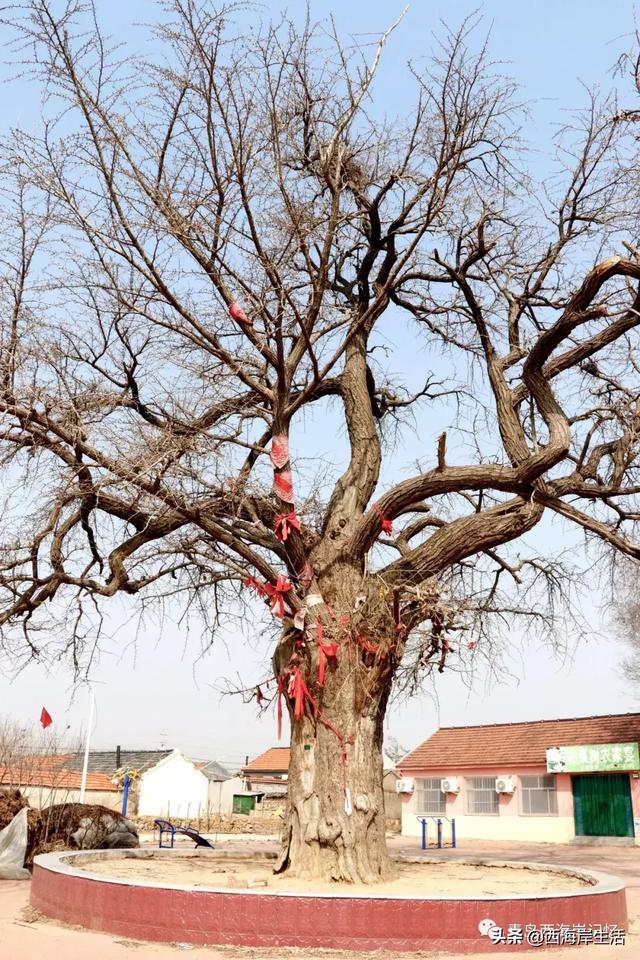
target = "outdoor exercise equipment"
x: 438, y: 821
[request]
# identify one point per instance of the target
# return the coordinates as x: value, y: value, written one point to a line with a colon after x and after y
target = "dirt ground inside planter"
x: 413, y: 879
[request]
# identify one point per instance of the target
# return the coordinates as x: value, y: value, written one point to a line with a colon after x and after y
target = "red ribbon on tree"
x: 285, y: 523
x: 237, y: 313
x: 279, y: 450
x: 385, y: 523
x: 260, y: 588
x: 299, y: 693
x: 369, y: 647
x: 283, y: 486
x: 343, y: 741
x: 291, y: 684
x: 325, y: 650
x: 277, y: 594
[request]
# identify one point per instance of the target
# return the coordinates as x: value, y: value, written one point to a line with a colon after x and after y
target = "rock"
x: 85, y: 826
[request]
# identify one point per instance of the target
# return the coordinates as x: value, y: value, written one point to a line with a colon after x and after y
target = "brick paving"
x: 24, y: 937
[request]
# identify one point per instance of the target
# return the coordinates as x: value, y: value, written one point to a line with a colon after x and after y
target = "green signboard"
x: 593, y: 757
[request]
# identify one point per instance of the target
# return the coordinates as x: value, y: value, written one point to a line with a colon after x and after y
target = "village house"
x: 268, y: 774
x: 56, y: 778
x: 177, y: 787
x: 163, y: 782
x: 550, y: 780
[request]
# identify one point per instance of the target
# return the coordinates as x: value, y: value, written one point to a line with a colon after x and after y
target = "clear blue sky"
x: 153, y: 692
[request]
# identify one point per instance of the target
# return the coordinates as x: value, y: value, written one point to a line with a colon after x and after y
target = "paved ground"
x: 25, y: 937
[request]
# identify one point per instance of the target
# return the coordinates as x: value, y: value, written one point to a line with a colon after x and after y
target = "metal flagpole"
x: 85, y: 765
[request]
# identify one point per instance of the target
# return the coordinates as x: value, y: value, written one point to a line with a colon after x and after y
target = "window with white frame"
x: 429, y: 796
x: 481, y: 796
x: 539, y: 797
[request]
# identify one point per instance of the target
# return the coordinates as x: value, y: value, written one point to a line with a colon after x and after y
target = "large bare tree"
x: 204, y: 258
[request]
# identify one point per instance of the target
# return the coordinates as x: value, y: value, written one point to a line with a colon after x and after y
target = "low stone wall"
x: 273, y: 806
x: 233, y: 823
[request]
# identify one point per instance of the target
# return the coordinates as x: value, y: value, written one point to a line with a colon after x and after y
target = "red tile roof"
x: 54, y: 779
x: 273, y: 760
x: 522, y: 744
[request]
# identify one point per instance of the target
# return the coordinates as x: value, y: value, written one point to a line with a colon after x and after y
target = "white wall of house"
x: 174, y: 787
x: 221, y: 794
x: 268, y: 786
x: 40, y: 797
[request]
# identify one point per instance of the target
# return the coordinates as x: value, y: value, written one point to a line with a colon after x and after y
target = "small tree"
x: 626, y: 616
x: 202, y: 251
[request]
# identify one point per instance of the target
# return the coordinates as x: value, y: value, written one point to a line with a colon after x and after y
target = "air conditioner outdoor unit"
x: 450, y: 785
x: 505, y: 785
x: 404, y: 785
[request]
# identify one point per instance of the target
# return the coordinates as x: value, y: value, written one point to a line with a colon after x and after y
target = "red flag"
x: 45, y: 718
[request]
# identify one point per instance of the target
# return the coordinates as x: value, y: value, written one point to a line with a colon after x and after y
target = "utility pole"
x: 85, y: 765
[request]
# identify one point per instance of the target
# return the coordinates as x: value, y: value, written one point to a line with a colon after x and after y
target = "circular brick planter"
x: 263, y: 918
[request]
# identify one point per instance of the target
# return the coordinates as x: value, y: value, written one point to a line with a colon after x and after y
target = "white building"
x: 176, y: 787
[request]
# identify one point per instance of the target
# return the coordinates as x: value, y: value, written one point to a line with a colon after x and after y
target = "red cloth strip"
x: 385, y: 523
x: 279, y: 450
x: 237, y: 313
x: 260, y: 588
x: 277, y: 593
x: 325, y: 650
x: 283, y: 486
x: 285, y: 523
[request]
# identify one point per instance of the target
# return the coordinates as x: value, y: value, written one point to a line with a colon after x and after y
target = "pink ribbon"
x: 299, y: 618
x: 237, y: 313
x: 279, y: 450
x: 306, y: 576
x: 283, y: 486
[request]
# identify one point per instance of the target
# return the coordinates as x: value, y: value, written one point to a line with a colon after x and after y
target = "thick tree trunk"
x: 335, y: 821
x: 335, y: 825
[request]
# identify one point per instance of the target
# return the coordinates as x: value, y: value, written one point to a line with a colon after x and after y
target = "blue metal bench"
x: 165, y: 826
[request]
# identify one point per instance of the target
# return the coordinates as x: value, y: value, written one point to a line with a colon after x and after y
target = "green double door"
x: 602, y: 805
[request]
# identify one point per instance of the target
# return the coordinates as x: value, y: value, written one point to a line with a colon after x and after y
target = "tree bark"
x: 335, y: 822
